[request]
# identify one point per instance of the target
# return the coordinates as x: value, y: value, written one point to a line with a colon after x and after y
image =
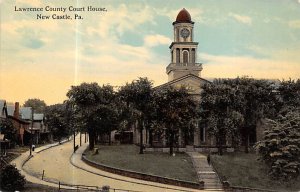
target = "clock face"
x: 184, y: 33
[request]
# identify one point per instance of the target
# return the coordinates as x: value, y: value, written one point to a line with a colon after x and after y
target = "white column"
x: 180, y: 138
x: 190, y: 55
x: 164, y: 139
x: 174, y: 55
x: 196, y: 135
x: 192, y: 34
x: 181, y: 56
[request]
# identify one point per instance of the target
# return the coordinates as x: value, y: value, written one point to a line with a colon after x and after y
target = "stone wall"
x: 143, y: 176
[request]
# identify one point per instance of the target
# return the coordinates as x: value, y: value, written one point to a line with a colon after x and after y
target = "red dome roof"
x: 183, y: 17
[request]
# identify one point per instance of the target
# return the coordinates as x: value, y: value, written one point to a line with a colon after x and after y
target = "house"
x: 21, y: 118
x: 3, y: 108
x: 4, y: 143
x: 39, y: 123
x: 13, y: 111
x: 32, y: 132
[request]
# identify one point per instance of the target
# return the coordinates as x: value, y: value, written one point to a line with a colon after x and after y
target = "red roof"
x: 183, y: 17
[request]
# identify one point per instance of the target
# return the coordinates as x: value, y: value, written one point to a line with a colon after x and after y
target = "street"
x: 57, y: 166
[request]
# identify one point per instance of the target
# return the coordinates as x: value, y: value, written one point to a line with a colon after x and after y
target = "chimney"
x: 17, y: 110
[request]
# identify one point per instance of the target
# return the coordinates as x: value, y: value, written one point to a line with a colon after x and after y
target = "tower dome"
x: 183, y: 17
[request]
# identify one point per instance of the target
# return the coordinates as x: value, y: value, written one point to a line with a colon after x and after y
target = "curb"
x: 53, y: 145
x: 134, y: 182
x: 142, y: 176
x: 46, y: 148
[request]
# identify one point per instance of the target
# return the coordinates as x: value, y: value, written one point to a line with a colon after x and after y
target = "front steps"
x: 205, y: 171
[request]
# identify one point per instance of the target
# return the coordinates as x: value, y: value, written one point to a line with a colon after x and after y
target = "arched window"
x: 193, y: 56
x: 177, y: 55
x: 185, y: 56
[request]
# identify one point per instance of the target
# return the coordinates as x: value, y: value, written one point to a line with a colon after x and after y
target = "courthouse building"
x: 183, y: 70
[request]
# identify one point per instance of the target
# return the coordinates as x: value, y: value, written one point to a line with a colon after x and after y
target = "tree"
x: 280, y: 148
x: 56, y: 119
x: 137, y: 96
x: 232, y: 108
x: 219, y: 112
x: 106, y: 119
x: 11, y: 179
x: 175, y: 108
x: 38, y: 105
x: 88, y: 98
x: 7, y: 128
x: 257, y: 103
x: 290, y: 93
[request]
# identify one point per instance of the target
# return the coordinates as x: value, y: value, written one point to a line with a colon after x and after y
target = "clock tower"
x: 183, y: 48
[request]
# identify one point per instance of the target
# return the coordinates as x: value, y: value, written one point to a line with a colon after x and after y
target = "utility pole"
x: 80, y: 137
x: 74, y: 139
x: 30, y: 146
x: 72, y: 120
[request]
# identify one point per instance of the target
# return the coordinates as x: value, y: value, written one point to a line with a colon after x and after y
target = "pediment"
x: 192, y: 82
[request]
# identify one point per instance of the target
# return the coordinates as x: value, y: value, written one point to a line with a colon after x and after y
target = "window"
x: 202, y: 133
x: 185, y: 56
x: 177, y: 55
x: 193, y: 56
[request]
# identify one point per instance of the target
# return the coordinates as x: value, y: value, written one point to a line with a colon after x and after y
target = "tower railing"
x: 174, y: 66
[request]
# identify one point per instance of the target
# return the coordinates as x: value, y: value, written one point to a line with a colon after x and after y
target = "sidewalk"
x: 77, y: 162
x: 56, y: 163
x: 24, y: 157
x: 205, y: 171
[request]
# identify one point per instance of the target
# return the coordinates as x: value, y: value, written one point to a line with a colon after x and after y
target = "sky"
x: 44, y: 58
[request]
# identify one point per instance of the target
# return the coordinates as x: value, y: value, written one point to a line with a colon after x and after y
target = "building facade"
x: 183, y: 70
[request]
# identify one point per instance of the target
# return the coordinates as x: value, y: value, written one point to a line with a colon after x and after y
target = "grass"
x: 155, y: 163
x: 33, y: 187
x: 244, y: 170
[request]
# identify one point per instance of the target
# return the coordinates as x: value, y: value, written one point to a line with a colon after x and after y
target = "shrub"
x: 280, y: 148
x: 11, y: 179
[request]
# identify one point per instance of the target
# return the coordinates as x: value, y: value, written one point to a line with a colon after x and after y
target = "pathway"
x: 205, y: 171
x: 58, y: 165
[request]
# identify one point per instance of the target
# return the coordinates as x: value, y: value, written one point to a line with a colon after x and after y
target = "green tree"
x: 137, y: 96
x: 219, y: 112
x: 106, y: 120
x: 280, y: 148
x: 290, y: 93
x: 56, y: 119
x: 38, y: 105
x: 88, y: 98
x: 7, y: 128
x: 175, y: 108
x: 232, y: 108
x: 258, y: 101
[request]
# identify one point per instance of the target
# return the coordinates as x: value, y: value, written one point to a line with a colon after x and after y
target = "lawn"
x: 242, y: 169
x: 154, y: 163
x: 33, y: 187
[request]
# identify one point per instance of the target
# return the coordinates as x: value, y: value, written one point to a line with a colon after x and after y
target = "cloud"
x: 154, y: 40
x: 34, y: 3
x: 241, y: 18
x: 290, y: 54
x: 196, y: 13
x: 119, y: 19
x: 233, y: 66
x: 33, y: 43
x: 294, y: 24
